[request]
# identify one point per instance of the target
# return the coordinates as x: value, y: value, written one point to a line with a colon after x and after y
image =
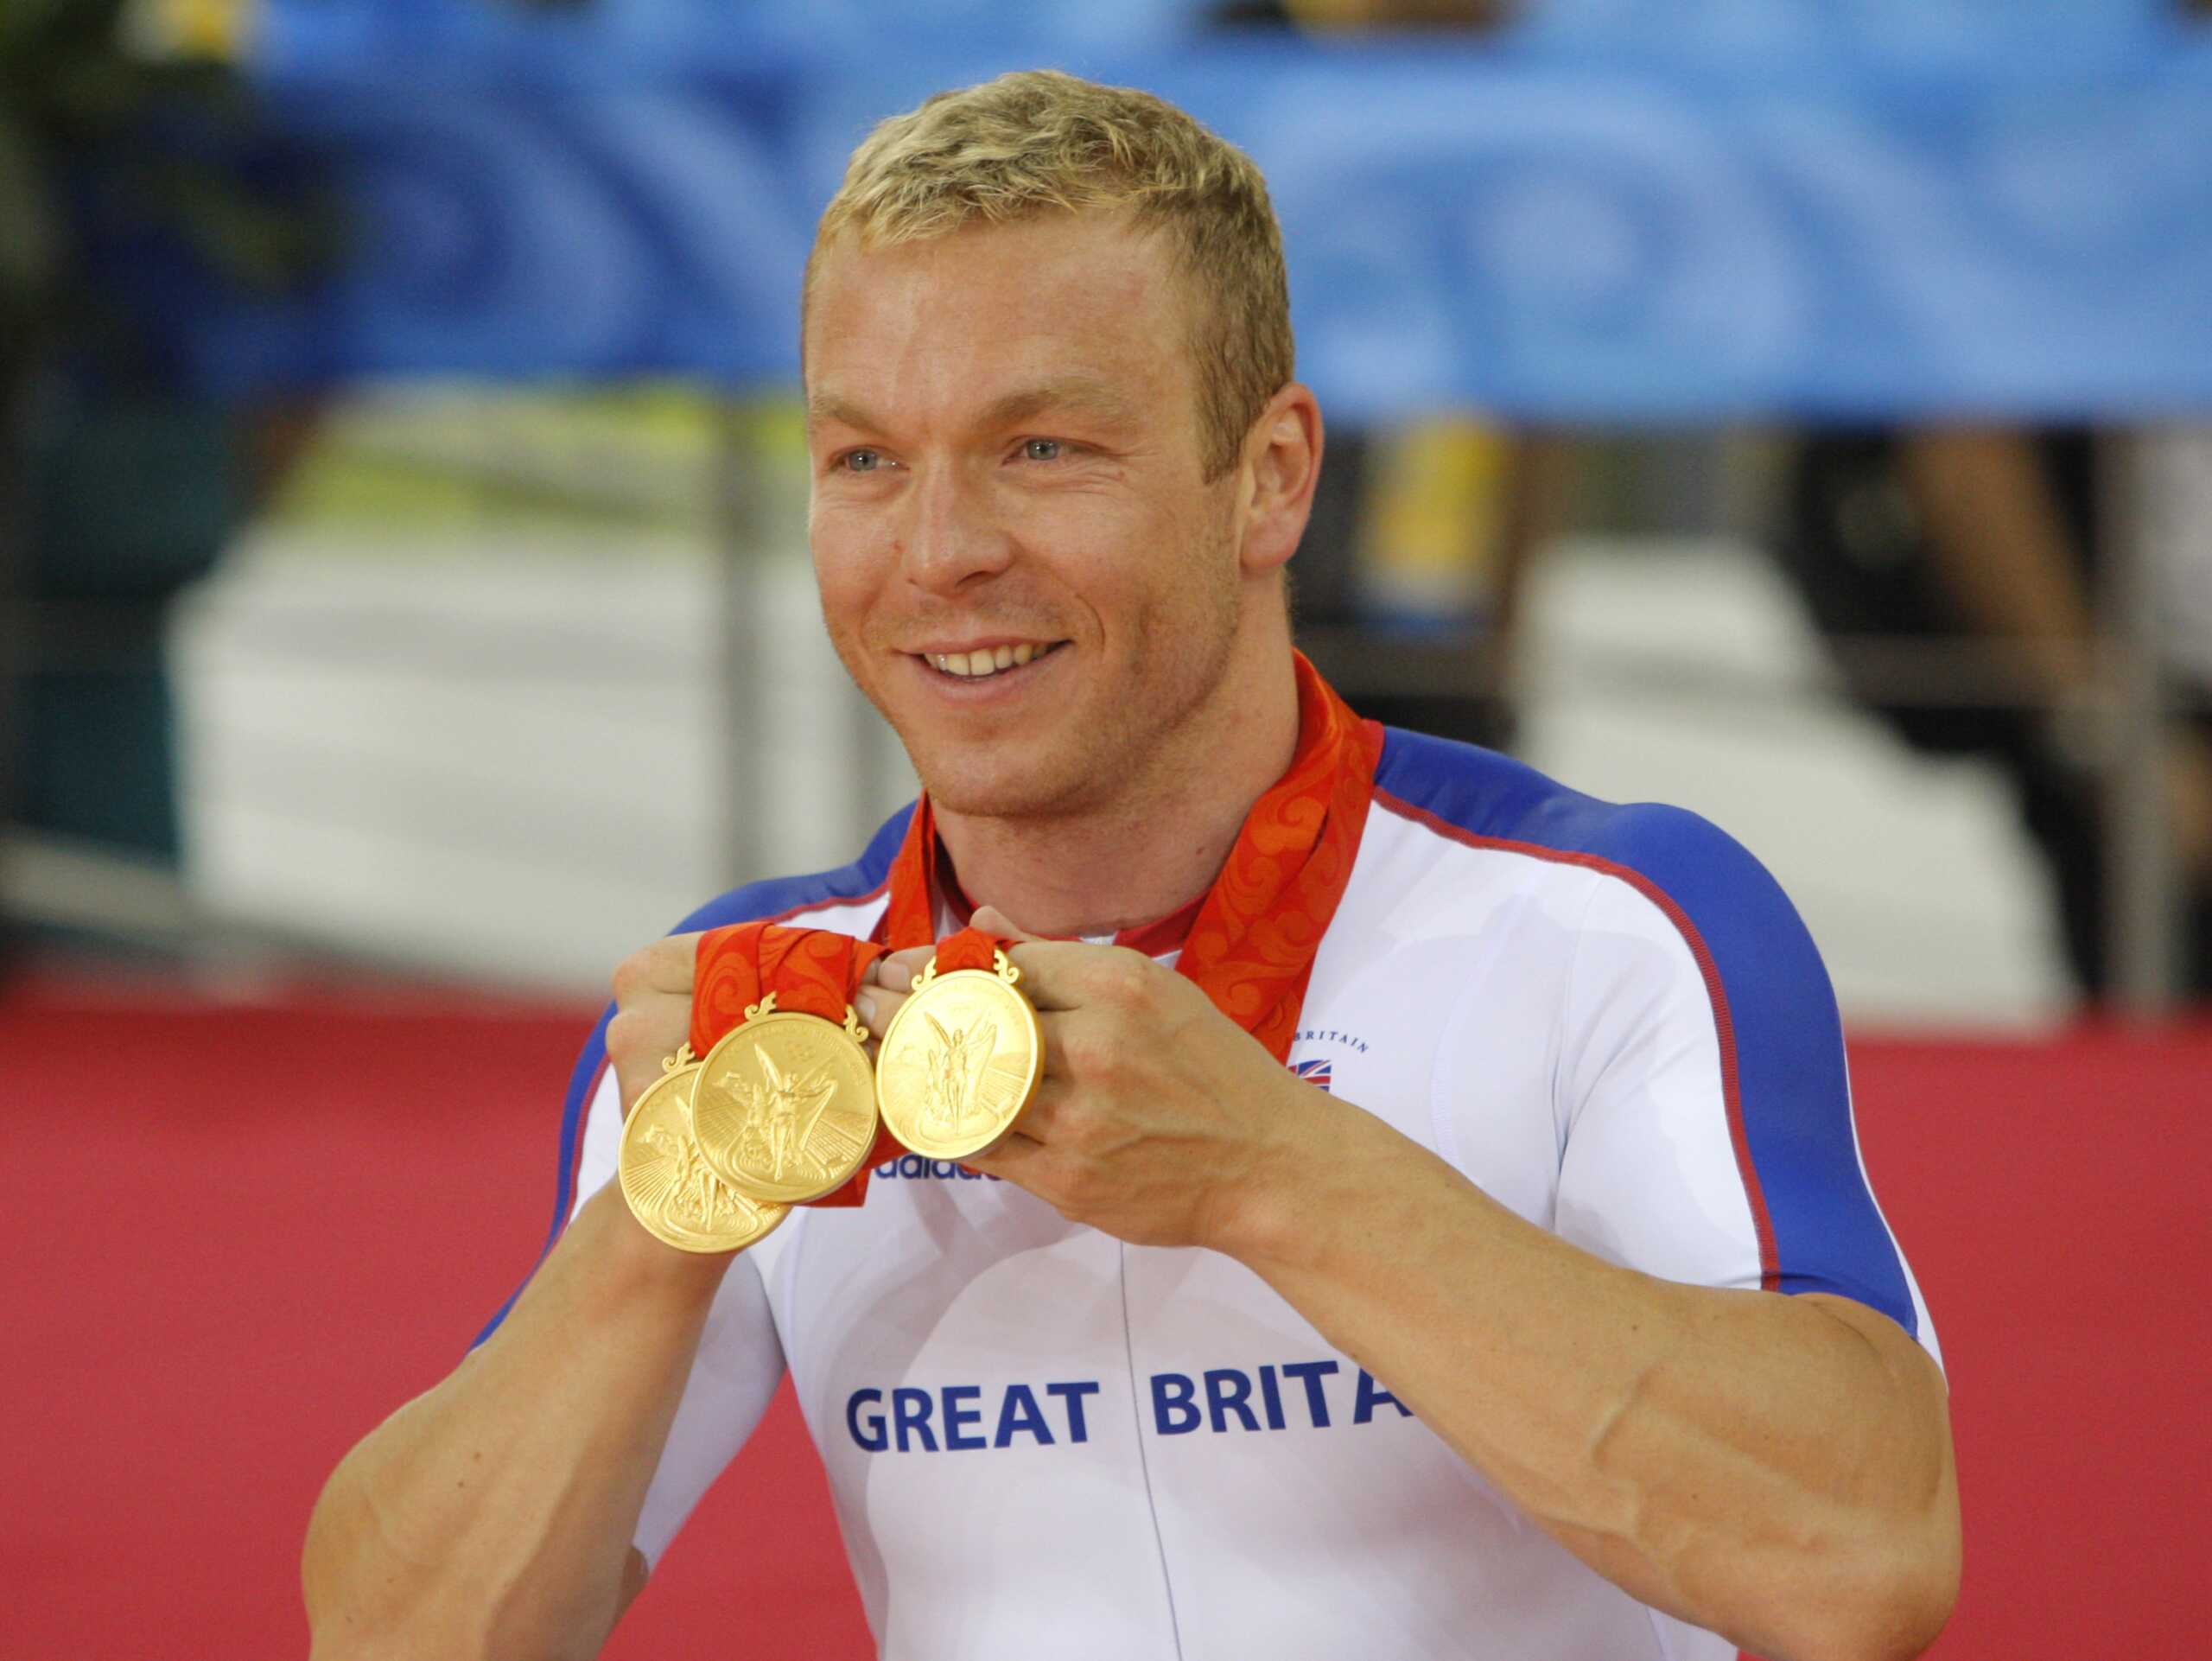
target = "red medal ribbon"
x: 969, y: 949
x: 1252, y: 946
x: 811, y: 972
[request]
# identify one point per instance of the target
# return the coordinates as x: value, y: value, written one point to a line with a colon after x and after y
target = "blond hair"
x: 1039, y: 140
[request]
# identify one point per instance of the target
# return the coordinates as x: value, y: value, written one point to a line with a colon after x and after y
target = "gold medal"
x: 784, y: 1105
x: 671, y: 1188
x: 959, y: 1061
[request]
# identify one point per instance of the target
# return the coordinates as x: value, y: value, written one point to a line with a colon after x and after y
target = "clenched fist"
x: 652, y: 1012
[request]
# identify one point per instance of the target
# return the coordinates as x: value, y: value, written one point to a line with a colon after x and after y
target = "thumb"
x: 992, y: 920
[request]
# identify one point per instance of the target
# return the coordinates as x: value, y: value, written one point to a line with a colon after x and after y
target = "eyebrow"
x: 827, y: 407
x: 1085, y: 394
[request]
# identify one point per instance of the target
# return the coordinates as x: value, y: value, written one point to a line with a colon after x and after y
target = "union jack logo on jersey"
x: 1314, y: 1072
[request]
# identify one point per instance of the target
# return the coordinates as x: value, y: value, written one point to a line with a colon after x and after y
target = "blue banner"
x: 1556, y: 225
x: 1919, y: 35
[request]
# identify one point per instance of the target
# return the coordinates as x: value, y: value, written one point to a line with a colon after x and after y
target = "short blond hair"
x: 1037, y: 141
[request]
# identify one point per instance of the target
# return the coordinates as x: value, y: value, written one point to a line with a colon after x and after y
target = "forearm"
x: 493, y: 1515
x: 1777, y: 1469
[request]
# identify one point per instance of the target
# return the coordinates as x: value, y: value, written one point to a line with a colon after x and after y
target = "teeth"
x: 989, y: 661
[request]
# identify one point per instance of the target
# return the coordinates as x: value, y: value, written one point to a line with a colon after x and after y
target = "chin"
x: 980, y: 787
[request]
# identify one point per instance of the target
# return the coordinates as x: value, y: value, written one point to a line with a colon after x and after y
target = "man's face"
x: 1008, y: 471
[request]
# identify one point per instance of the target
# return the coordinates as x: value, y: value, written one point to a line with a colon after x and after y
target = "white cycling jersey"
x: 1043, y: 1441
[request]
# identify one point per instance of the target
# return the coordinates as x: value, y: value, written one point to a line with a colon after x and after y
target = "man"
x: 1458, y: 1336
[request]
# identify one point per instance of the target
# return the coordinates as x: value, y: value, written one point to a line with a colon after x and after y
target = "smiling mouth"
x: 988, y: 661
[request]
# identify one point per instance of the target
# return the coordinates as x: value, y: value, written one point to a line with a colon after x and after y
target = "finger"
x: 662, y: 969
x: 1016, y: 1156
x: 876, y: 1005
x: 897, y: 969
x: 675, y: 961
x: 1040, y: 1120
x: 1054, y: 1027
x: 1070, y: 974
x: 992, y: 920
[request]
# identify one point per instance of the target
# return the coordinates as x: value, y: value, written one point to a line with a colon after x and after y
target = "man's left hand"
x: 1157, y: 1118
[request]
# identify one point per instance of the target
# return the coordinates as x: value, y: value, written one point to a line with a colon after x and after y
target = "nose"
x: 951, y: 537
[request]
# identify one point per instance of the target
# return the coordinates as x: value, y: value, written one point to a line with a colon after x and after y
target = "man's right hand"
x: 652, y: 1012
x: 653, y: 1006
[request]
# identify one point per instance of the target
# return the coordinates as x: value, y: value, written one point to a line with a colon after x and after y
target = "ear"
x: 1282, y: 463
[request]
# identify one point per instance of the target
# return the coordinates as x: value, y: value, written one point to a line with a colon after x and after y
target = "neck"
x: 1151, y: 850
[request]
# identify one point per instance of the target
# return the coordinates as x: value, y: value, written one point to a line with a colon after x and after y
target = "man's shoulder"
x: 1481, y: 799
x: 1659, y: 870
x: 853, y: 886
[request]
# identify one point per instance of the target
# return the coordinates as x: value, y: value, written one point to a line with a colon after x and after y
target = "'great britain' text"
x: 958, y: 1418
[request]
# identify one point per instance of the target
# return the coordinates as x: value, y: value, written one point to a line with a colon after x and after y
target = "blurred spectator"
x: 129, y: 496
x: 1990, y: 539
x: 130, y: 160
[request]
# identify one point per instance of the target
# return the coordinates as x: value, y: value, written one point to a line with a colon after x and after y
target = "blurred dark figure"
x: 130, y: 494
x: 1988, y: 538
x: 133, y: 168
x: 1430, y: 527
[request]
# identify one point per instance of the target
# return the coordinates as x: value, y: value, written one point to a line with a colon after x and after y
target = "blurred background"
x: 1797, y: 410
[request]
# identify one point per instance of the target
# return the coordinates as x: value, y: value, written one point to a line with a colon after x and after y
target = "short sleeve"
x: 1703, y: 1086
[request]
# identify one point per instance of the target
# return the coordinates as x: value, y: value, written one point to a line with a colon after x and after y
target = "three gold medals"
x: 785, y: 1107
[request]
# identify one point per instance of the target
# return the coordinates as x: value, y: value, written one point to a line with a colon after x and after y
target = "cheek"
x: 1114, y: 558
x: 846, y: 577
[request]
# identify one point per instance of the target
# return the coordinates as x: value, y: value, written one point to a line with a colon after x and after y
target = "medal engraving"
x: 671, y: 1188
x: 785, y: 1108
x: 959, y: 1061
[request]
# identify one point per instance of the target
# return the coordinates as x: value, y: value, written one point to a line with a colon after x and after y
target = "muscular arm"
x: 493, y: 1515
x: 1776, y: 1468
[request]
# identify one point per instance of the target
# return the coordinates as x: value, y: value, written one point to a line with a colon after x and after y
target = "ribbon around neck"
x: 1252, y: 945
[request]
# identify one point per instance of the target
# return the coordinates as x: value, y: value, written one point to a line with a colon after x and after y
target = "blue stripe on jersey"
x: 1793, y: 1088
x: 776, y: 897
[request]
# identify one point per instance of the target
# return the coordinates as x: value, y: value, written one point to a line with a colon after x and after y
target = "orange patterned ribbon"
x: 1251, y: 947
x: 812, y: 971
x: 969, y: 949
x: 909, y: 918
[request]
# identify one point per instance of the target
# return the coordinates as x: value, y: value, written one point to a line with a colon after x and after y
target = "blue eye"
x: 860, y: 461
x: 1041, y: 449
